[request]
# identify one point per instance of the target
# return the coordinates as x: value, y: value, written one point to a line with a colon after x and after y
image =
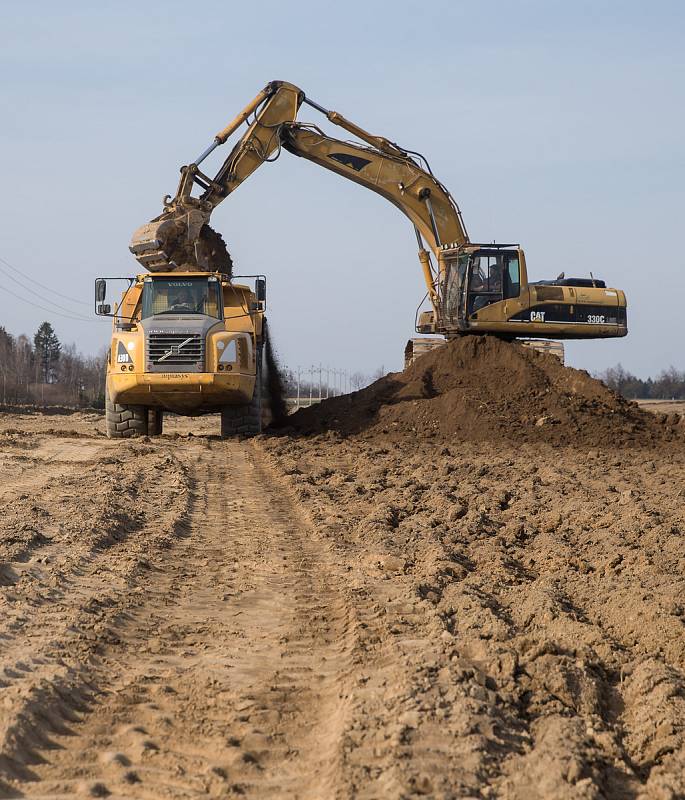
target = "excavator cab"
x: 476, y: 277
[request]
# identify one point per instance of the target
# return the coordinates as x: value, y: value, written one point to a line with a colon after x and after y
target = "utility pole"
x: 298, y: 388
x: 320, y: 386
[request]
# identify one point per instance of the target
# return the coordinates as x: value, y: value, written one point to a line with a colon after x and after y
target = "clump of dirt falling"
x: 274, y: 382
x: 483, y: 388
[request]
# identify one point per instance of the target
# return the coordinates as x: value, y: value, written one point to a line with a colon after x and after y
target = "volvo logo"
x: 175, y: 349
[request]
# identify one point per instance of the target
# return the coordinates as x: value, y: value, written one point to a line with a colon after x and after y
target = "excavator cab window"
x: 512, y: 275
x: 485, y: 280
x: 182, y: 295
x: 493, y: 276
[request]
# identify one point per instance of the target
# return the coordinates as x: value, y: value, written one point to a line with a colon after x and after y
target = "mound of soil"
x: 482, y: 388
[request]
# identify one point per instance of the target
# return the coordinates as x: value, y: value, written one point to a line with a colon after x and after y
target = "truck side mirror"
x: 100, y: 290
x: 260, y: 290
x: 104, y: 309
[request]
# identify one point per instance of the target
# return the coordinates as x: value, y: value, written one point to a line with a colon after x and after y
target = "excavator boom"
x: 399, y: 179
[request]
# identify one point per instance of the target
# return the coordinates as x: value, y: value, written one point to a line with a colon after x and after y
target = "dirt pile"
x: 482, y: 389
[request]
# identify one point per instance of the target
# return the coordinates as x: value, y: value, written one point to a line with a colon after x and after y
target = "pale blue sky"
x: 555, y: 124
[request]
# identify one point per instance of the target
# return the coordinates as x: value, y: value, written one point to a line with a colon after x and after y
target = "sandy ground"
x: 663, y: 406
x: 328, y: 617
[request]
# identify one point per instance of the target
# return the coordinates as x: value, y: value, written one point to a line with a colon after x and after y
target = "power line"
x: 48, y: 310
x: 39, y: 295
x: 43, y: 286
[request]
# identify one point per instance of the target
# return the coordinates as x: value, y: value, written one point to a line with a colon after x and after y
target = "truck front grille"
x: 171, y: 352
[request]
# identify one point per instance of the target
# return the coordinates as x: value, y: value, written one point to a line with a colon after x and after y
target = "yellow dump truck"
x: 185, y: 342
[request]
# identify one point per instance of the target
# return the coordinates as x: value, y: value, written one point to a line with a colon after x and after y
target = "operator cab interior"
x: 494, y: 276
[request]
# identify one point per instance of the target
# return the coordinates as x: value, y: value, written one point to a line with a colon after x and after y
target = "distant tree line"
x: 43, y: 371
x: 668, y: 385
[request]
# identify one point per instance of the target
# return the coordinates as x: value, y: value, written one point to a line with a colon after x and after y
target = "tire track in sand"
x: 230, y: 679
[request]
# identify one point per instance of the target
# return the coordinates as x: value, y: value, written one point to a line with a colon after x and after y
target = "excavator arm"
x: 396, y: 177
x: 181, y: 237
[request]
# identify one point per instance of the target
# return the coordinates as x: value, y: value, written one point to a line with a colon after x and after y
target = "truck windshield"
x: 181, y: 296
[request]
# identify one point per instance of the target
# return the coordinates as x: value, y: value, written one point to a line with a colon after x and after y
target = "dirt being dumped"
x: 275, y: 389
x: 482, y: 388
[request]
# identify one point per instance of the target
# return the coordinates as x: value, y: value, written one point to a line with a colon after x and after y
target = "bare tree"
x: 72, y: 378
x: 357, y: 380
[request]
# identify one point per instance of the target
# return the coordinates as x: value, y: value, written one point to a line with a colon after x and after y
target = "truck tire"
x: 124, y: 421
x: 155, y: 421
x: 245, y: 420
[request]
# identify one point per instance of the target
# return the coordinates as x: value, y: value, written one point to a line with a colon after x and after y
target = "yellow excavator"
x: 472, y: 288
x: 189, y: 339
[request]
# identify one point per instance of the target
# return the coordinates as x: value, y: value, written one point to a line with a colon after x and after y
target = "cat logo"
x: 537, y: 316
x: 353, y: 162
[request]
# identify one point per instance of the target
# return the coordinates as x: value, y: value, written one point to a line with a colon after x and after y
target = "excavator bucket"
x: 170, y: 243
x: 150, y: 243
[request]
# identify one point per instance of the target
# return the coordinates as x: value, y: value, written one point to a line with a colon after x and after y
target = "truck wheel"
x: 155, y: 421
x: 245, y: 420
x: 124, y: 421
